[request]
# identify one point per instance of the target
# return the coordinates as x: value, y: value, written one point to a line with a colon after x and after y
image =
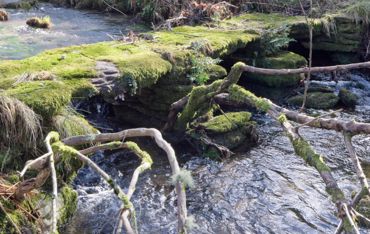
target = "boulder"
x: 279, y: 61
x: 347, y: 98
x: 232, y: 130
x: 316, y: 100
x: 37, y: 22
x: 3, y: 15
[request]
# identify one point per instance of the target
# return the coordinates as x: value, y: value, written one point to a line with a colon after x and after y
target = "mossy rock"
x: 233, y: 130
x: 226, y: 123
x: 216, y: 72
x: 70, y: 123
x: 316, y: 100
x: 347, y: 98
x: 279, y: 61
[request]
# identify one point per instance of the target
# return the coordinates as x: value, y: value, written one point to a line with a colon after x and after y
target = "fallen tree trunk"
x: 305, y: 70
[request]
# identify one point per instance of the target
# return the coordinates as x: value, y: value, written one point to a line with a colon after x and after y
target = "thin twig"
x: 350, y: 219
x: 54, y: 184
x: 359, y: 171
x: 361, y: 216
x: 317, y: 118
x: 310, y: 29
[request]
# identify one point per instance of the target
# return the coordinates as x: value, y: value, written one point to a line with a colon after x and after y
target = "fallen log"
x: 304, y: 70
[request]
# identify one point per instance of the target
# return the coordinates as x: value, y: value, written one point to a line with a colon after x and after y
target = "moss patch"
x: 69, y: 123
x: 233, y: 130
x: 279, y: 61
x: 226, y: 123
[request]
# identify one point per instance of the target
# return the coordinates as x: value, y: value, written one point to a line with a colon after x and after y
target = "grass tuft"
x: 39, y: 22
x: 20, y: 125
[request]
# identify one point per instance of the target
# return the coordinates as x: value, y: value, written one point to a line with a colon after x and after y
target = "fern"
x: 274, y: 40
x: 199, y: 72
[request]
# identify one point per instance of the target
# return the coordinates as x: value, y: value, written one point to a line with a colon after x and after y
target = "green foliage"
x: 200, y: 68
x: 359, y: 11
x: 274, y: 40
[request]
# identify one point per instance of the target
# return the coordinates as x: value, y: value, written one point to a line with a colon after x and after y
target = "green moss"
x: 283, y: 60
x: 221, y: 41
x: 46, y: 98
x: 226, y: 123
x: 233, y: 130
x: 49, y: 98
x: 304, y: 150
x: 198, y: 104
x: 69, y: 164
x: 19, y: 216
x: 69, y: 197
x: 239, y: 94
x: 282, y: 118
x: 316, y: 100
x: 143, y: 155
x: 69, y: 123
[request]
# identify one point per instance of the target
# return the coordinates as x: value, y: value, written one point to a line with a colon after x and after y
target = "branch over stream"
x: 200, y: 100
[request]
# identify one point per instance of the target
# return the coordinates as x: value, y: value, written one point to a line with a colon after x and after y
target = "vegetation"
x: 39, y: 22
x: 179, y: 62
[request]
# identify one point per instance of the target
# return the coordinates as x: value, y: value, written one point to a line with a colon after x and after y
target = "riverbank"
x: 142, y: 77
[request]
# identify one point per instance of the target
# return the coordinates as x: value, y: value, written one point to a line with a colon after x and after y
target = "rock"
x: 105, y: 82
x: 316, y: 100
x: 347, y: 98
x: 233, y: 130
x: 37, y: 22
x: 344, y: 58
x: 279, y: 61
x: 335, y: 34
x: 3, y: 15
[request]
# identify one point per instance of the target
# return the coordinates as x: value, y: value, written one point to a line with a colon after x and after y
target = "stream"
x: 265, y: 190
x: 70, y: 27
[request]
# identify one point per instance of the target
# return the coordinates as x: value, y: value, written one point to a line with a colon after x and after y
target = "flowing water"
x: 266, y: 190
x: 70, y: 27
